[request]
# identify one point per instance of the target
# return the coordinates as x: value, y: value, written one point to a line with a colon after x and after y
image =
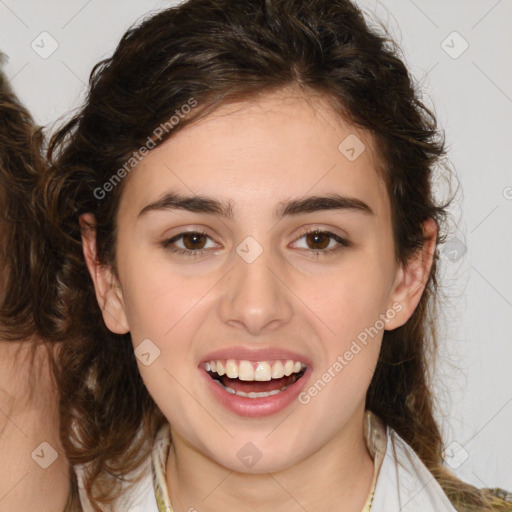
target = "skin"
x: 31, y: 478
x: 257, y: 154
x: 29, y: 417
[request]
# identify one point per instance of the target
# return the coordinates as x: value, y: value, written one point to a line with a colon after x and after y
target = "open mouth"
x: 251, y: 379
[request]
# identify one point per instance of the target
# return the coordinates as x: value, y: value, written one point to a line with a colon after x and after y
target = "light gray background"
x: 472, y: 96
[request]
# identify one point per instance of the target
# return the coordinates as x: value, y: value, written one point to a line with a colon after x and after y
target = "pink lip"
x: 255, y: 407
x: 255, y: 354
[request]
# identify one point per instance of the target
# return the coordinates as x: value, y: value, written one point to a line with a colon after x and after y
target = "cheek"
x: 157, y: 298
x: 349, y: 298
x: 351, y: 308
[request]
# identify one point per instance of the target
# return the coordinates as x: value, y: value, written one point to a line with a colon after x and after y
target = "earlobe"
x: 108, y: 292
x: 411, y: 279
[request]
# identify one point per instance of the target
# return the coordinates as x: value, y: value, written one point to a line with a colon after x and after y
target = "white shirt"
x: 405, y: 484
x: 401, y: 480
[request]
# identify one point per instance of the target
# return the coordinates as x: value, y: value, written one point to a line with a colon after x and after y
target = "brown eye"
x: 321, y: 242
x: 318, y: 240
x: 189, y: 243
x: 194, y: 240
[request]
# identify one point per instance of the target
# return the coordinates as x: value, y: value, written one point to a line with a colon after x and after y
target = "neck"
x: 337, y: 477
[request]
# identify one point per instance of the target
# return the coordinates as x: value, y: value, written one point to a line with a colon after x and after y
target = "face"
x: 258, y: 286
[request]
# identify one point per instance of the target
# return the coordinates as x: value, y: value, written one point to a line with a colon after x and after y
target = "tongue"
x: 258, y: 386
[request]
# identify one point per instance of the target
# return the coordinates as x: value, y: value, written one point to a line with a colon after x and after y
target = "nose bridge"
x: 253, y: 298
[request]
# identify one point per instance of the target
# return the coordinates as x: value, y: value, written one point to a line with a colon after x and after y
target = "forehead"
x: 268, y: 148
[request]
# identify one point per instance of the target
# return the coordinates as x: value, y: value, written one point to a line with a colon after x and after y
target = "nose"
x: 255, y: 297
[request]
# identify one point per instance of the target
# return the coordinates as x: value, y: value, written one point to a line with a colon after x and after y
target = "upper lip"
x: 255, y: 354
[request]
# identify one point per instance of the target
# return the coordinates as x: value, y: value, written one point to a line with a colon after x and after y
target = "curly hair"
x: 21, y: 165
x: 24, y: 254
x: 218, y: 51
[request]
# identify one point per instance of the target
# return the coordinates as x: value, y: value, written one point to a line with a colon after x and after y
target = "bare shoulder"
x: 33, y: 473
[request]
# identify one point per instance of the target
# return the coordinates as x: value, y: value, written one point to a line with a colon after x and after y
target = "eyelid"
x: 341, y: 241
x: 183, y: 230
x: 321, y: 229
x: 200, y: 231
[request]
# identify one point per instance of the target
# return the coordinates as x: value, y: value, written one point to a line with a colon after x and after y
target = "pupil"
x: 191, y: 239
x: 313, y: 239
x: 194, y: 237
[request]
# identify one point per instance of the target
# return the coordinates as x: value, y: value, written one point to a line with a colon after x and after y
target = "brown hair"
x: 21, y: 164
x: 26, y: 310
x: 215, y: 52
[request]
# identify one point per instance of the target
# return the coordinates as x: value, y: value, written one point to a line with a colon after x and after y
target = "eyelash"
x: 342, y: 243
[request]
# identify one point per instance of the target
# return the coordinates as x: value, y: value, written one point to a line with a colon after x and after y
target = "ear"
x: 411, y: 279
x: 106, y: 285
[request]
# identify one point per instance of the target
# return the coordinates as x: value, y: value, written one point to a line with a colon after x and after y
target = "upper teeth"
x: 250, y: 371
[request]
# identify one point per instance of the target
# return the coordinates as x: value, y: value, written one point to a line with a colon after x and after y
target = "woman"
x: 34, y: 470
x: 247, y: 243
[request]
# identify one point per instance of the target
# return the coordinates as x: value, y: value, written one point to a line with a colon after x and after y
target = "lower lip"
x: 256, y: 407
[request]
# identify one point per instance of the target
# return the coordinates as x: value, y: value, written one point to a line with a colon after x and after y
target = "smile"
x: 255, y: 379
x: 255, y: 383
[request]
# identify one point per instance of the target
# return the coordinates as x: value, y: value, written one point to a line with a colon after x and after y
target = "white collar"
x: 403, y: 483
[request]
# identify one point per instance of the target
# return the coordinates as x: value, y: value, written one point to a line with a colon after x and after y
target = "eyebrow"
x: 209, y: 205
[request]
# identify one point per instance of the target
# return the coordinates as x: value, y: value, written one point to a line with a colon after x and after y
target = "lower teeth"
x: 262, y: 394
